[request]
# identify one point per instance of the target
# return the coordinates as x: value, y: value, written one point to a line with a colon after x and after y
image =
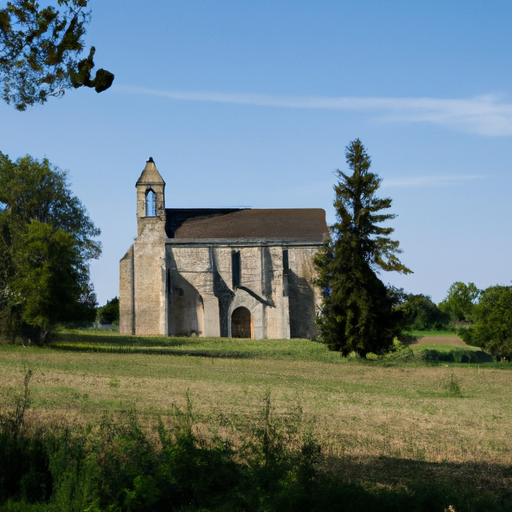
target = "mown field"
x: 386, y: 423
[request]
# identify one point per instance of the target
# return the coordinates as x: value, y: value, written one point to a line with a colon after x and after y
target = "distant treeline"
x: 482, y: 318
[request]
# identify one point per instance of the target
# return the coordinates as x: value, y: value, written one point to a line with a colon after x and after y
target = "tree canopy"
x: 46, y: 241
x: 40, y: 50
x: 109, y: 313
x: 460, y: 300
x: 420, y: 313
x: 492, y: 322
x: 357, y: 309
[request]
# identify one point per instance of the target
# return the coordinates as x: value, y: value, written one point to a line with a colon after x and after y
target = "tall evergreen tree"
x: 357, y: 309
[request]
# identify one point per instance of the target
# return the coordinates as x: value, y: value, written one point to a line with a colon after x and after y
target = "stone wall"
x: 304, y: 296
x: 203, y: 294
x: 143, y: 286
x: 126, y: 294
x: 150, y: 284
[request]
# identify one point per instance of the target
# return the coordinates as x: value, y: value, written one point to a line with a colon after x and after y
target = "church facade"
x: 220, y: 272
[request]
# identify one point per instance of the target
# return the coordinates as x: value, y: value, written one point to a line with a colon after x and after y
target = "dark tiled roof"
x: 175, y: 217
x: 307, y: 225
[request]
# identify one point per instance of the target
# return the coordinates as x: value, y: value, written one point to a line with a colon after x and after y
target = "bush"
x: 109, y: 313
x: 431, y: 356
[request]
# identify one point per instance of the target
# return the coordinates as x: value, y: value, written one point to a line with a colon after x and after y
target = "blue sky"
x: 251, y: 103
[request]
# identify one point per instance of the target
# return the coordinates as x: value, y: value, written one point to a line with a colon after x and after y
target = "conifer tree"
x: 357, y: 309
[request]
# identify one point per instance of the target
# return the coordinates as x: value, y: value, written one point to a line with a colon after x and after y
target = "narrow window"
x: 150, y: 203
x: 236, y: 268
x: 286, y: 265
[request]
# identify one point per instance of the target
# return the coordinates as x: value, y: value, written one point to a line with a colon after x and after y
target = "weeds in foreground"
x: 120, y: 466
x: 452, y: 386
x: 12, y: 422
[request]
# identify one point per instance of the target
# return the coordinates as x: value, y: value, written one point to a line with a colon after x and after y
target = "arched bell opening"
x: 242, y: 323
x: 150, y: 203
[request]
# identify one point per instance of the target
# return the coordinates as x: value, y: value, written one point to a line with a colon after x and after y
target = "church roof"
x: 294, y: 224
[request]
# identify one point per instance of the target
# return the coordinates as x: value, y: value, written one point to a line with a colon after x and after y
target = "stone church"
x: 230, y: 272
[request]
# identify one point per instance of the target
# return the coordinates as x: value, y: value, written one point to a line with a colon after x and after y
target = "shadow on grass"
x: 381, y: 483
x: 408, y: 339
x: 102, y: 339
x: 492, y: 479
x: 229, y: 348
x: 109, y: 349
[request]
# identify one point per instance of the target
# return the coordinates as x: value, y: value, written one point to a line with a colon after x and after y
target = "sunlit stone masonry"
x: 230, y: 272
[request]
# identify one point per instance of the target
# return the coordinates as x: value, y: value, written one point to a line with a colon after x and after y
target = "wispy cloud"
x: 429, y: 181
x: 486, y: 115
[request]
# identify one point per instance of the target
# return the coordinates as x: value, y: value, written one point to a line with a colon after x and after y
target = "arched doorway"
x: 241, y: 323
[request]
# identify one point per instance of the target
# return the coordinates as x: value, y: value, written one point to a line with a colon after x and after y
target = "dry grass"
x: 356, y: 410
x: 381, y: 424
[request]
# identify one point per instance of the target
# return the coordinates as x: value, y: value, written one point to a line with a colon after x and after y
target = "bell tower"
x: 143, y: 288
x: 150, y: 198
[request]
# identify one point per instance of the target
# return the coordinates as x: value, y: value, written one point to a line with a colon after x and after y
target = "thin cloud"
x: 429, y: 181
x: 485, y: 115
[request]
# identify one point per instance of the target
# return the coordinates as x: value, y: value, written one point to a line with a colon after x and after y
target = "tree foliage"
x: 40, y: 51
x: 46, y: 241
x: 357, y: 309
x: 109, y: 313
x: 492, y: 322
x: 420, y: 313
x: 459, y: 301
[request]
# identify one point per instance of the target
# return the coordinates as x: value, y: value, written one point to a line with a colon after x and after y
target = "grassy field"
x: 380, y: 422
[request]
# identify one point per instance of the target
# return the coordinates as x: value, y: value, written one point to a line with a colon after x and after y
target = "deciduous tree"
x: 40, y: 50
x: 460, y: 300
x: 357, y: 310
x: 109, y: 313
x: 420, y: 314
x: 46, y: 241
x: 492, y: 322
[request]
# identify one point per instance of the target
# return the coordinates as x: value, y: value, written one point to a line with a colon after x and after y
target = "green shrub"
x: 452, y: 386
x: 433, y: 356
